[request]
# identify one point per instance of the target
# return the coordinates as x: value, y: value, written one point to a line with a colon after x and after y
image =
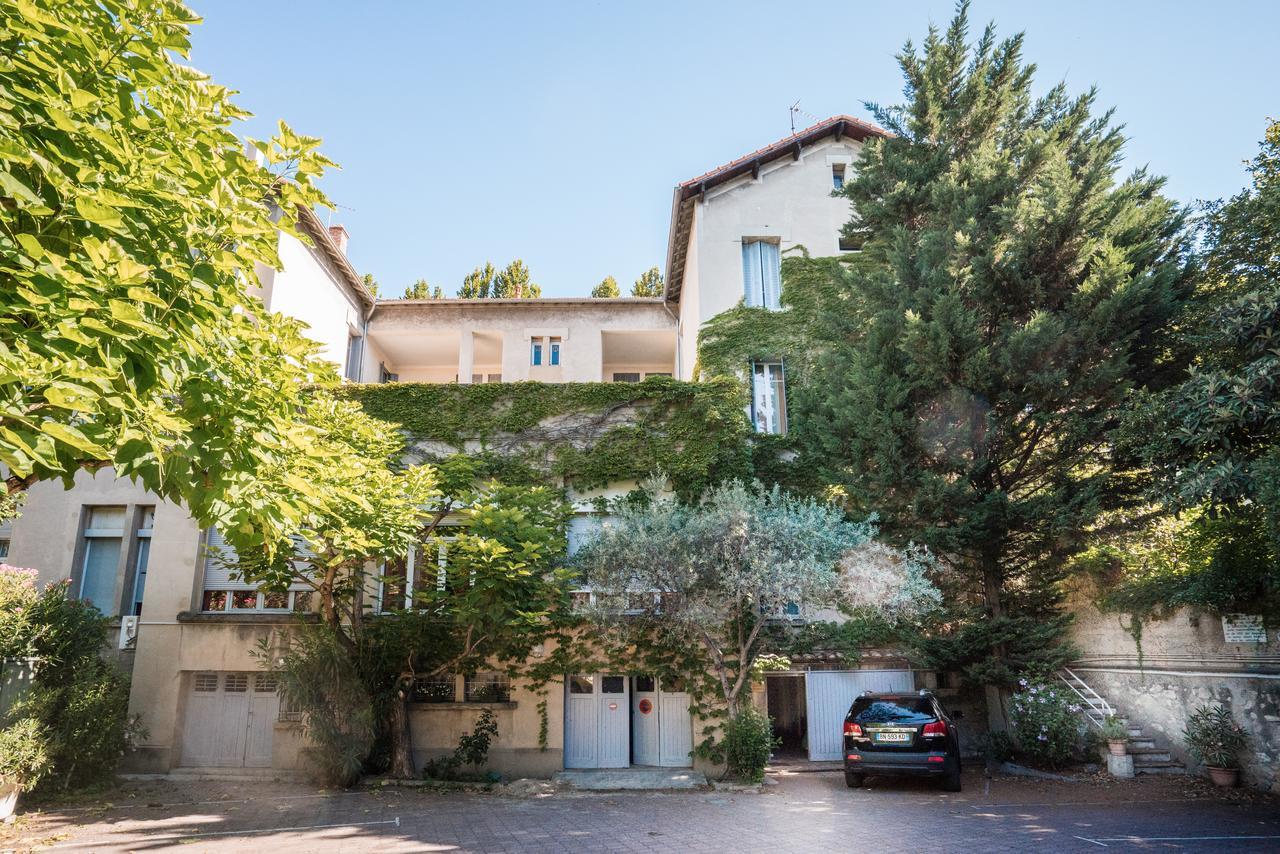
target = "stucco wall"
x: 790, y: 201
x: 436, y: 340
x: 309, y: 290
x: 1184, y: 662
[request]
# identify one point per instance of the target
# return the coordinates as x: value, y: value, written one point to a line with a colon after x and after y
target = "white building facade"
x: 187, y: 632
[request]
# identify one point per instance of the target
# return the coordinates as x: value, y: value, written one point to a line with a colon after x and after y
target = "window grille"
x: 488, y: 688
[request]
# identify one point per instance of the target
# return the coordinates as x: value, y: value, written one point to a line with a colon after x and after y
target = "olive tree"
x: 713, y: 574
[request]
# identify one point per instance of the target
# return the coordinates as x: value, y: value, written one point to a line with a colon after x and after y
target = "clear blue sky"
x: 555, y: 131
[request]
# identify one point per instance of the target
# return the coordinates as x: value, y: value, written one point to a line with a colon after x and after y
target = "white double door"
x: 661, y: 730
x: 230, y: 718
x: 613, y: 720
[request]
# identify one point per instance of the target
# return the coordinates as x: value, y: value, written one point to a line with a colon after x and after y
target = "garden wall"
x: 1160, y: 671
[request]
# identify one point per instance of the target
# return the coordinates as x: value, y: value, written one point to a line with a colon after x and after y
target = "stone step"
x: 1149, y: 755
x: 1159, y: 768
x: 1140, y: 742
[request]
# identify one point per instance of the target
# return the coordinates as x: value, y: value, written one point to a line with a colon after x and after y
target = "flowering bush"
x: 1213, y: 736
x: 1046, y: 722
x: 17, y: 595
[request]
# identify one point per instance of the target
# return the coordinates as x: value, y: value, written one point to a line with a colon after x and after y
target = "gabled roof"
x: 310, y: 225
x: 688, y: 192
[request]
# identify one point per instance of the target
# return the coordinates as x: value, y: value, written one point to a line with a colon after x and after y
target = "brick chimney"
x: 340, y: 237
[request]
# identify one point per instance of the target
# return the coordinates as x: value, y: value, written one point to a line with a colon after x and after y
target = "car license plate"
x: 893, y: 736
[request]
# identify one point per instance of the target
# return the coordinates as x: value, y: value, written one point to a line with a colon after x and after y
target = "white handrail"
x: 1096, y: 708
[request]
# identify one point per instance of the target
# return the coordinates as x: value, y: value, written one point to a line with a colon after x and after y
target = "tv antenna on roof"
x: 796, y: 111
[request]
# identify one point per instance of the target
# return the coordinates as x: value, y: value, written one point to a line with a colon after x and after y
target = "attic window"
x: 837, y: 176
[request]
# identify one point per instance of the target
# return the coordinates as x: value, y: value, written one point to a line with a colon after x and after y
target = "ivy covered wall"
x: 587, y: 434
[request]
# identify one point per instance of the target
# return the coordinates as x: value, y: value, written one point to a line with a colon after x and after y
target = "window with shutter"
x: 761, y: 273
x: 768, y: 398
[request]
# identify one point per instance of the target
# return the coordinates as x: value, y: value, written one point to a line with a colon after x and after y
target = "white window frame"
x: 535, y: 352
x: 141, y: 556
x: 86, y: 540
x: 773, y: 392
x: 410, y: 572
x: 762, y: 288
x: 553, y: 352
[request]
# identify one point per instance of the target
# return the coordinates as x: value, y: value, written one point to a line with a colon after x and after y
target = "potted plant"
x: 1214, y: 737
x: 23, y: 761
x: 1116, y: 732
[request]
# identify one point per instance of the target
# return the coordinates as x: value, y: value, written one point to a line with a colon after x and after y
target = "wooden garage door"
x: 229, y: 721
x: 828, y: 694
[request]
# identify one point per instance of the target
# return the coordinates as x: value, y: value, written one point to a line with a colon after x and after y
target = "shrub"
x: 472, y: 749
x: 319, y: 679
x: 23, y: 757
x: 85, y: 723
x: 1114, y: 729
x: 1046, y: 722
x: 748, y: 743
x: 78, y: 702
x: 1213, y: 736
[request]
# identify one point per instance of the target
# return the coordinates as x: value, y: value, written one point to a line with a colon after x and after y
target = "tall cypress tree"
x: 970, y: 362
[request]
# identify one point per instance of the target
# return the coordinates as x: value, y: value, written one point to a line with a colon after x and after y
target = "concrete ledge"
x: 618, y: 779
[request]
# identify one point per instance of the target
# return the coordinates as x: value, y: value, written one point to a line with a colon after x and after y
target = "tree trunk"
x: 993, y: 588
x: 401, y: 736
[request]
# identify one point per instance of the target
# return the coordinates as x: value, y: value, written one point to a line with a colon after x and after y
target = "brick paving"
x: 804, y: 813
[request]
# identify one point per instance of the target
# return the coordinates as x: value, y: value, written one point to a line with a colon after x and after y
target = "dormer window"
x: 837, y: 176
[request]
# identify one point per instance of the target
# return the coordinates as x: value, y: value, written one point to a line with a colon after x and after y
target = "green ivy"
x: 528, y: 432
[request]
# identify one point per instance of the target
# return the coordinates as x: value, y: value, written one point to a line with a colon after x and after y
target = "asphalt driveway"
x: 804, y: 812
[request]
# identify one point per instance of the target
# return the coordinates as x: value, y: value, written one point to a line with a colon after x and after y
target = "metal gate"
x: 828, y: 696
x: 230, y: 719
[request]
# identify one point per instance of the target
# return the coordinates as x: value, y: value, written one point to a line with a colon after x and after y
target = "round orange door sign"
x: 645, y: 707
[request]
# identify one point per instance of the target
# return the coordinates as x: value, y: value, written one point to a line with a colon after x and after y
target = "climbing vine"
x: 587, y: 435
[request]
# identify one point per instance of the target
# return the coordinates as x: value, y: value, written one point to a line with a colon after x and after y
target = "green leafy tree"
x: 648, y: 285
x: 514, y: 283
x: 1214, y: 438
x: 975, y: 356
x: 607, y: 288
x: 349, y: 503
x: 128, y: 214
x: 479, y: 283
x: 727, y: 564
x: 370, y: 284
x: 504, y: 584
x: 421, y: 290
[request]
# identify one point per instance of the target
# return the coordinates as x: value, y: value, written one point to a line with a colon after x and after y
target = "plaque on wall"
x: 1243, y: 628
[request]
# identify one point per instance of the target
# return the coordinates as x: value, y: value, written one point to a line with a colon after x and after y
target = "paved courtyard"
x: 804, y: 812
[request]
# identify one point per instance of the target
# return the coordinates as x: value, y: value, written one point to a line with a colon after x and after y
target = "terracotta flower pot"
x: 1225, y: 777
x: 1118, y: 747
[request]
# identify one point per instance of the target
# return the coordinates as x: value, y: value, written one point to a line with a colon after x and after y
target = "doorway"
x: 614, y: 721
x: 785, y: 696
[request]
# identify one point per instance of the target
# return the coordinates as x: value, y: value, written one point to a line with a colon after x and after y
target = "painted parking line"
x: 173, y: 837
x: 1104, y: 841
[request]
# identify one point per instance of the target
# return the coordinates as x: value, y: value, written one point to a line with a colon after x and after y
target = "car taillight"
x: 937, y: 729
x: 852, y: 729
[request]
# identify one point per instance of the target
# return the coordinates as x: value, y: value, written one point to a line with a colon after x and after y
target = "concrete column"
x: 466, y: 356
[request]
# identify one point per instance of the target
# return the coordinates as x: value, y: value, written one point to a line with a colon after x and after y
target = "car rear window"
x: 886, y: 710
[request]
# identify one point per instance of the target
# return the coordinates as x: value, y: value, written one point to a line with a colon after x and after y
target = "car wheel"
x: 854, y: 781
x: 951, y: 779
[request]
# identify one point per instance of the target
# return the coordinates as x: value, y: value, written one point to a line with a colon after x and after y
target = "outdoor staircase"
x: 1148, y: 758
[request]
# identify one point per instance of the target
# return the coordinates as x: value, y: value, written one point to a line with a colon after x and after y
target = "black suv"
x: 901, y: 734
